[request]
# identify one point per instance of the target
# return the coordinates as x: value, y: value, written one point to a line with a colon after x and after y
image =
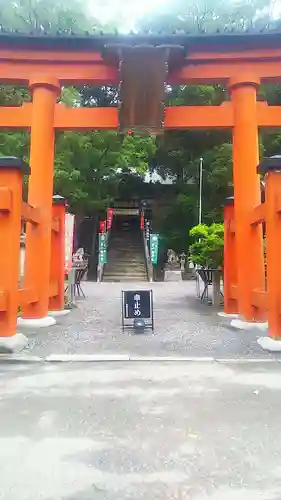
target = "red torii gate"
x: 45, y: 64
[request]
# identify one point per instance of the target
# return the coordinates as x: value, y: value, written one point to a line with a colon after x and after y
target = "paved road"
x: 153, y: 431
x: 184, y: 327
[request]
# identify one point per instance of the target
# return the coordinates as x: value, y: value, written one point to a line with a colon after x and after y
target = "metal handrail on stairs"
x: 149, y: 265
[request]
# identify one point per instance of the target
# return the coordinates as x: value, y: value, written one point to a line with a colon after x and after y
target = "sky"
x: 127, y: 10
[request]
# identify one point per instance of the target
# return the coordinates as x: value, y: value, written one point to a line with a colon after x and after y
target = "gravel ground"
x: 183, y: 327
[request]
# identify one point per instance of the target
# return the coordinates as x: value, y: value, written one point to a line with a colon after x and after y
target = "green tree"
x: 87, y: 166
x: 176, y: 218
x: 207, y: 250
x: 50, y: 16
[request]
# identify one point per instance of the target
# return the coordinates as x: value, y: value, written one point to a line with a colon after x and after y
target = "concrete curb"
x: 17, y: 358
x: 226, y: 316
x: 36, y: 323
x: 239, y: 324
x: 15, y: 343
x: 80, y: 358
x: 269, y: 344
x: 247, y: 360
x: 56, y: 358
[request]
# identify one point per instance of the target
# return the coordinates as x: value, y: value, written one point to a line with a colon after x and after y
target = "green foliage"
x: 45, y: 15
x: 13, y: 96
x: 87, y: 166
x: 207, y: 251
x: 175, y: 219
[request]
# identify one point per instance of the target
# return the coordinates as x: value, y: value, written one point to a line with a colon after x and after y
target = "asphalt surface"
x: 137, y: 430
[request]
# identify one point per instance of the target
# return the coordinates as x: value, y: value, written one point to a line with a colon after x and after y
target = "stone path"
x: 183, y: 327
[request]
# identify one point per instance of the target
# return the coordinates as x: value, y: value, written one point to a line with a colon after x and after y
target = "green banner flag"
x: 154, y: 247
x: 102, y: 248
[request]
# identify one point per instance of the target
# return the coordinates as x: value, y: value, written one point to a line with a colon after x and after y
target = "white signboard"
x: 69, y: 234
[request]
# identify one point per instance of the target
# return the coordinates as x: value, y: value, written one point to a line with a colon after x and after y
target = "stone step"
x: 123, y: 242
x: 125, y: 280
x: 122, y: 273
x: 126, y: 259
x: 136, y: 279
x: 120, y: 270
x: 126, y: 247
x: 136, y: 251
x: 130, y: 241
x: 119, y: 253
x: 123, y: 276
x: 126, y: 237
x: 126, y: 263
x: 116, y: 273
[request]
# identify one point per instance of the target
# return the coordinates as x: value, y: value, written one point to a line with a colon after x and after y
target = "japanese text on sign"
x: 147, y: 229
x: 137, y: 311
x: 137, y: 304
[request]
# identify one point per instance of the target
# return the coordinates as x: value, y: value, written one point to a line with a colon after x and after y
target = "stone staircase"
x: 126, y: 260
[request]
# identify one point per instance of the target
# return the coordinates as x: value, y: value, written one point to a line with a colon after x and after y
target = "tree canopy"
x: 88, y: 167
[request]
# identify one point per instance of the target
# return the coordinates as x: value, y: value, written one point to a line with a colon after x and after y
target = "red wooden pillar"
x: 271, y: 167
x: 40, y: 193
x: 249, y: 240
x: 56, y: 303
x: 230, y: 263
x: 11, y: 178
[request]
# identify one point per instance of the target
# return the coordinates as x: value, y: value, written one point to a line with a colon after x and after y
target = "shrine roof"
x: 219, y: 41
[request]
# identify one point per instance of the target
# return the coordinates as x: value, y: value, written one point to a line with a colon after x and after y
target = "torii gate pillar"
x: 40, y: 192
x: 247, y: 195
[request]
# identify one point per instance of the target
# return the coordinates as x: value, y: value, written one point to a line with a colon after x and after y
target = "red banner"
x: 110, y: 213
x: 102, y: 226
x: 142, y: 222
